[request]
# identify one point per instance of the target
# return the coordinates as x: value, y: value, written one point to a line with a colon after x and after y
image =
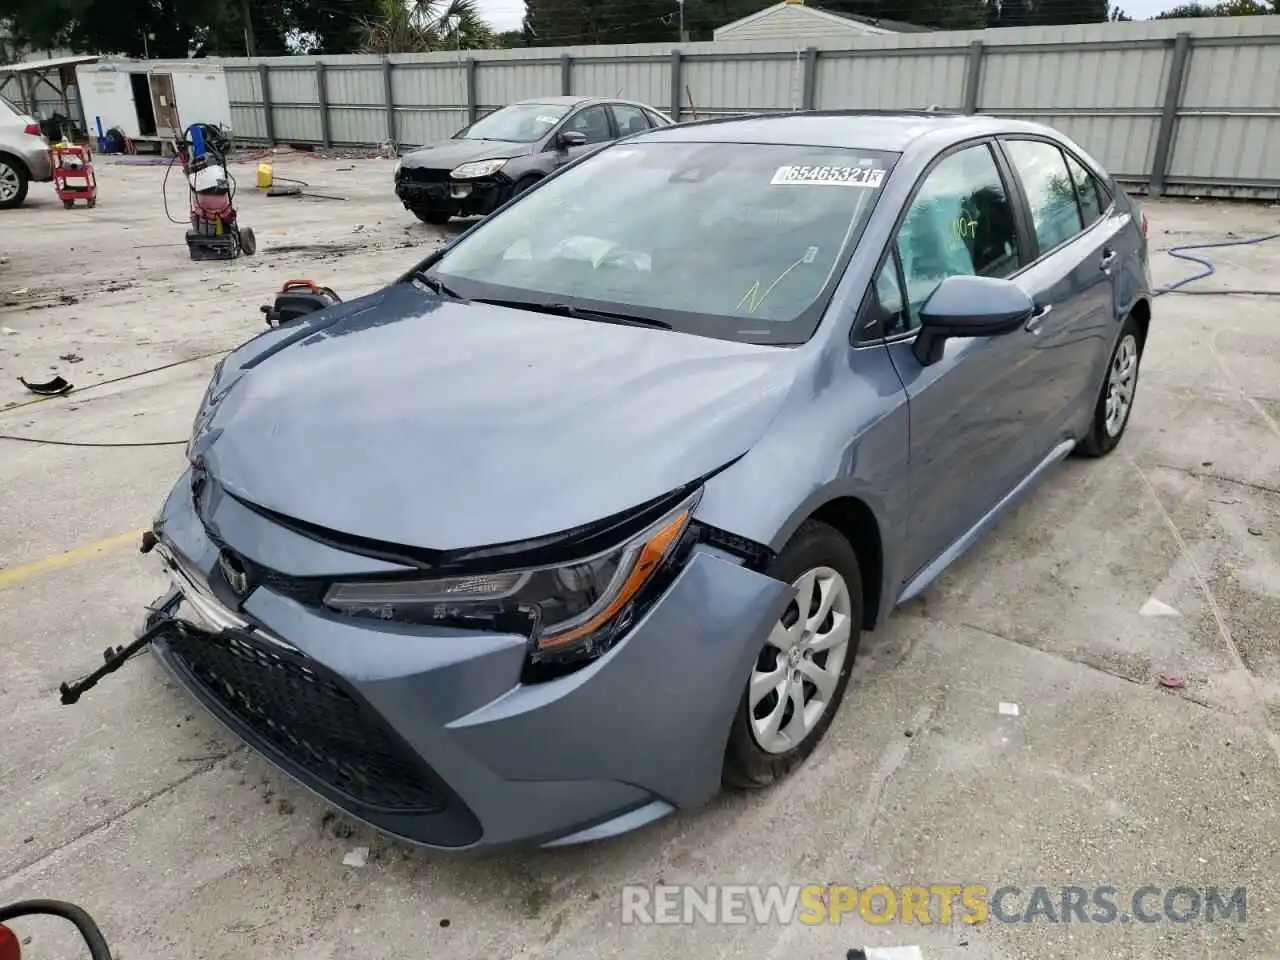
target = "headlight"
x: 477, y: 168
x: 573, y: 610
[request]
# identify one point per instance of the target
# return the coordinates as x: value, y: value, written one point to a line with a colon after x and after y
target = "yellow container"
x: 264, y: 176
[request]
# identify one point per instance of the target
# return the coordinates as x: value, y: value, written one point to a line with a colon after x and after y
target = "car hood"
x: 447, y: 154
x: 415, y: 420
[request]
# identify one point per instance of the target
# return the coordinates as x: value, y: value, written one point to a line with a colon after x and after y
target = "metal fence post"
x: 973, y: 77
x: 473, y: 108
x: 268, y: 112
x: 566, y: 74
x: 677, y: 94
x: 809, y: 98
x: 389, y: 96
x: 1169, y: 115
x: 322, y: 94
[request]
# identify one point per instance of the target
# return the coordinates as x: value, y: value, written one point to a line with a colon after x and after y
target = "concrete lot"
x: 138, y: 807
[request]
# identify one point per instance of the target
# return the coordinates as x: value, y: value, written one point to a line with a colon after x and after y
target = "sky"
x: 503, y: 14
x: 507, y: 14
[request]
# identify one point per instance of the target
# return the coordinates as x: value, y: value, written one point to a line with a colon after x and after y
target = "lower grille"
x: 310, y: 719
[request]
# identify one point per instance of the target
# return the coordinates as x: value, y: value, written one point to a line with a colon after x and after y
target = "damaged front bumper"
x: 429, y: 733
x: 460, y: 198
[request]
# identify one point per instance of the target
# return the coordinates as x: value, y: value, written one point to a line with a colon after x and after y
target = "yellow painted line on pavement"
x: 14, y: 575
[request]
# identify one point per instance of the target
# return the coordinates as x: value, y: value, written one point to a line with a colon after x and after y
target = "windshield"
x: 731, y: 240
x: 518, y: 123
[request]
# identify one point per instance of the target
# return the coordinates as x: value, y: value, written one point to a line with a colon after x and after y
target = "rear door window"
x: 1050, y: 193
x: 1089, y: 193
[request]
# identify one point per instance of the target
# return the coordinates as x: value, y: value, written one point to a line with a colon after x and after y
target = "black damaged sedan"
x: 487, y: 163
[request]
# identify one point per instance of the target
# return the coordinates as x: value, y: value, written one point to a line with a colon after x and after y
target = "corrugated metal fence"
x: 1174, y: 106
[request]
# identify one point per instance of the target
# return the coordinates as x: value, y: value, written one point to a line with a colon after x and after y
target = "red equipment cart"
x: 73, y: 177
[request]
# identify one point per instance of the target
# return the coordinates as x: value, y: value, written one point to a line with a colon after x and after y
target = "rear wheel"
x: 248, y: 242
x: 1115, y: 402
x: 13, y: 183
x: 799, y: 678
x: 436, y: 217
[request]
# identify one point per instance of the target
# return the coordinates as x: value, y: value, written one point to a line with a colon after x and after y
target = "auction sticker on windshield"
x: 830, y: 176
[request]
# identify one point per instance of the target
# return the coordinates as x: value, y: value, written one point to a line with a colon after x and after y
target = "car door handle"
x: 1108, y: 258
x: 1038, y: 315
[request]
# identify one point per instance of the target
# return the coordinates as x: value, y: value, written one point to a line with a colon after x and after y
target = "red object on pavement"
x: 73, y: 177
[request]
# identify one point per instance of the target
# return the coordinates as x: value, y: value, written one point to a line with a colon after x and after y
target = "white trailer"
x: 153, y: 100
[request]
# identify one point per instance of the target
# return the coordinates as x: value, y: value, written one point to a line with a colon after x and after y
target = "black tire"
x: 248, y: 242
x: 12, y: 168
x: 437, y: 218
x: 523, y: 184
x: 747, y: 764
x: 1103, y: 437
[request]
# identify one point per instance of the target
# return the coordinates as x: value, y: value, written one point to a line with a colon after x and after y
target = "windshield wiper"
x: 581, y: 313
x: 434, y: 285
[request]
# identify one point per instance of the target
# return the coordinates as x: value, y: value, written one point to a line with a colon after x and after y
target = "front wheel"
x: 1115, y: 402
x: 799, y: 678
x: 248, y: 241
x: 523, y: 184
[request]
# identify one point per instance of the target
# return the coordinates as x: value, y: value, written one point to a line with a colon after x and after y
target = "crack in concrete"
x: 986, y: 631
x: 1258, y: 700
x: 1203, y: 475
x: 107, y: 821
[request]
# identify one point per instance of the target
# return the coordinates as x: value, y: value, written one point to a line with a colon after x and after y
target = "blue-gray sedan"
x: 583, y: 517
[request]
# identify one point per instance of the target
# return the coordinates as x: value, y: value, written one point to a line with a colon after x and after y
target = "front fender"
x: 843, y: 433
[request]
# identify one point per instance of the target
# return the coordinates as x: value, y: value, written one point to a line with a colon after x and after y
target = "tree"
x: 1027, y: 13
x: 1229, y: 8
x: 554, y: 23
x: 955, y: 15
x: 182, y: 28
x: 419, y: 26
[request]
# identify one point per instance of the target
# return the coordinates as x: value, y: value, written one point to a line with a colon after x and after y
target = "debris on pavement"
x: 8, y: 331
x: 71, y: 357
x: 1255, y: 531
x: 885, y: 953
x: 1008, y: 709
x: 1157, y: 608
x: 1172, y: 681
x: 356, y: 857
x: 50, y: 388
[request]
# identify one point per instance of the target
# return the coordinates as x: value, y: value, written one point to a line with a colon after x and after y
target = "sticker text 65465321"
x: 829, y: 176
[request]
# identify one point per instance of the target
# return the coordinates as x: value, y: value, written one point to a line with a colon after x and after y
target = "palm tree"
x: 421, y: 26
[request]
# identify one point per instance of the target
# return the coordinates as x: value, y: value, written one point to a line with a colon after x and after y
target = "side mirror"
x: 969, y: 307
x: 571, y: 138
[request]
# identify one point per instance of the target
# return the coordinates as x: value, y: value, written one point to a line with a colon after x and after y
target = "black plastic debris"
x: 51, y: 388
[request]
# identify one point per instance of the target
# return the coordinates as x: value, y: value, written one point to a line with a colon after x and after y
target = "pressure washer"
x: 215, y: 232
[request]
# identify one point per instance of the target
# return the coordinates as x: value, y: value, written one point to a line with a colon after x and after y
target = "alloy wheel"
x: 10, y: 182
x: 1121, y: 380
x: 798, y: 670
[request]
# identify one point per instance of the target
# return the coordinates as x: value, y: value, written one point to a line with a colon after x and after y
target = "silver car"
x: 24, y: 154
x: 586, y: 515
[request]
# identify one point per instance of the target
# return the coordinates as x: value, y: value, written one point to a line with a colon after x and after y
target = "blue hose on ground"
x: 1181, y: 253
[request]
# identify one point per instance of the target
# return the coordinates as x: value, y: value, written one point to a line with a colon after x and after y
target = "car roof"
x: 867, y: 130
x: 574, y: 101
